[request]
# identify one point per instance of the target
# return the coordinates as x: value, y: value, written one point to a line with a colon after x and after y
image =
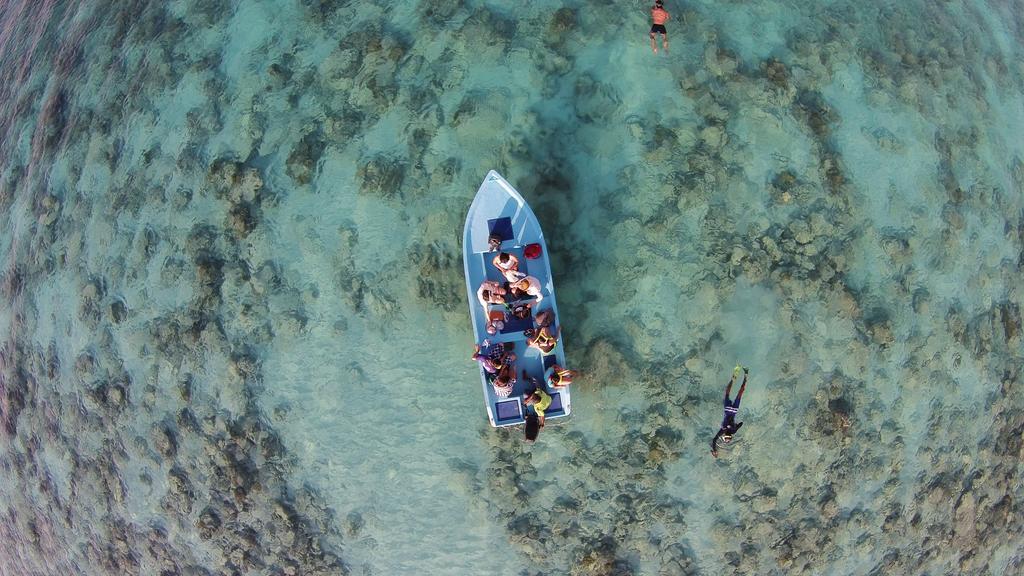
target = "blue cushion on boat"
x: 550, y: 360
x: 502, y: 227
x: 508, y: 410
x: 556, y: 403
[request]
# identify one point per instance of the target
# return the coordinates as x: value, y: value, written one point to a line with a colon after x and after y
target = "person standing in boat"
x: 508, y: 265
x: 729, y: 425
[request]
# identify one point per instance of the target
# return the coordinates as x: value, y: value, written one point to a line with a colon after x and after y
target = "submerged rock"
x: 243, y: 218
x: 165, y: 441
x: 116, y: 395
x: 303, y: 160
x: 118, y: 311
x: 439, y: 276
x: 208, y: 523
x: 382, y: 176
x: 714, y: 137
x: 49, y: 210
x: 441, y: 12
x: 562, y: 22
x: 776, y: 72
x: 1009, y: 315
x: 816, y: 113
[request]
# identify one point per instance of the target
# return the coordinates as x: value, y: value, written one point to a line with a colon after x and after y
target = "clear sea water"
x: 235, y: 335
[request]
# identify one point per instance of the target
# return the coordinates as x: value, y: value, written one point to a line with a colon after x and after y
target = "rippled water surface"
x: 234, y: 327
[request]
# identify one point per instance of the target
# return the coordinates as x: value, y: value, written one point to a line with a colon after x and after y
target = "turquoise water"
x: 236, y: 339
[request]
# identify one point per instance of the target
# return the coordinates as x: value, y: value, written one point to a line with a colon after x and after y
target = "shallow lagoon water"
x: 236, y: 337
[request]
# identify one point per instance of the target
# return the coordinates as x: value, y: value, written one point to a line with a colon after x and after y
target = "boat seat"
x: 510, y: 409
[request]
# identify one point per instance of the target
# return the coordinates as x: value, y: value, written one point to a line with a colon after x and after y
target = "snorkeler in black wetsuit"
x: 729, y: 424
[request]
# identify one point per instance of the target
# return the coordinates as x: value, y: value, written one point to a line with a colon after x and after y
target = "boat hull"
x: 499, y: 209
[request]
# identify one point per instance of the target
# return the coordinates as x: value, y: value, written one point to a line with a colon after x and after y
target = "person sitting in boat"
x: 558, y: 377
x: 508, y: 265
x: 536, y: 403
x: 490, y: 292
x: 528, y: 286
x: 544, y: 318
x: 541, y: 337
x: 505, y: 380
x: 495, y: 322
x: 496, y: 358
x: 520, y: 310
x: 494, y: 242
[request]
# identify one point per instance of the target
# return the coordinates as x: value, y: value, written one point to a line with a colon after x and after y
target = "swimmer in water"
x: 658, y: 18
x: 729, y: 424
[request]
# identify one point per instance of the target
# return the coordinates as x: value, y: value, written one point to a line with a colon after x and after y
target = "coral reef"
x: 229, y: 228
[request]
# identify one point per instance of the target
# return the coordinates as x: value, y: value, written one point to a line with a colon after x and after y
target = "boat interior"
x: 510, y: 410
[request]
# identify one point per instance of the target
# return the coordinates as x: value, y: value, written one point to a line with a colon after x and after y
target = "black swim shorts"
x: 658, y: 29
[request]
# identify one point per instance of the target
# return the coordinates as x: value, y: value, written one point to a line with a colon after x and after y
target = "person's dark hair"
x: 532, y: 427
x: 486, y: 294
x: 503, y: 257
